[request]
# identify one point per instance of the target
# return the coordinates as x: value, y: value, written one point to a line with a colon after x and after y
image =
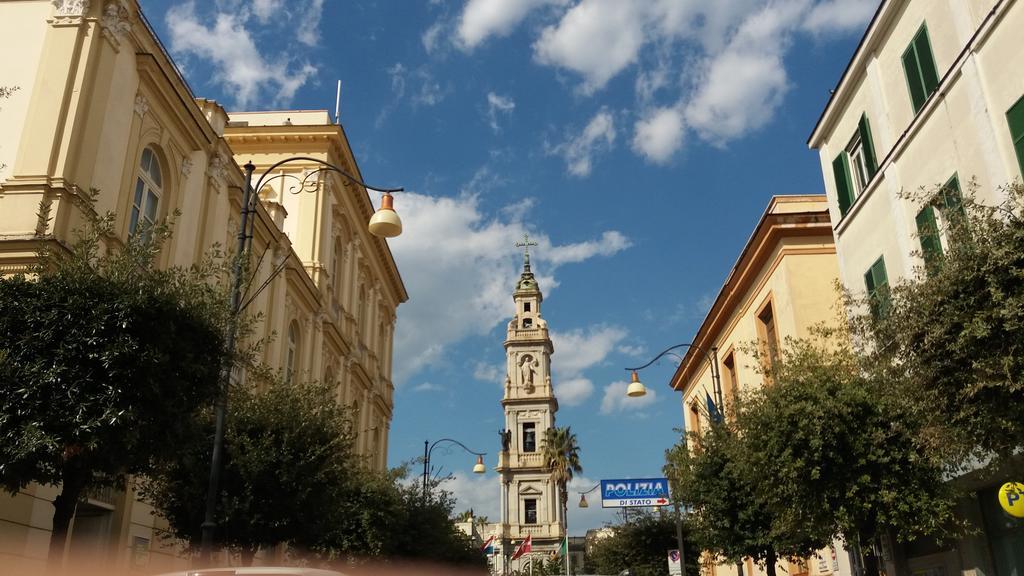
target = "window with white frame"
x: 858, y: 163
x: 148, y: 189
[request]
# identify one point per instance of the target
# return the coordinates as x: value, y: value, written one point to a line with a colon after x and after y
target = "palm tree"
x: 561, y: 456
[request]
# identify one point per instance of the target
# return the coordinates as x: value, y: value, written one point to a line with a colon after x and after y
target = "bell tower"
x: 530, y: 505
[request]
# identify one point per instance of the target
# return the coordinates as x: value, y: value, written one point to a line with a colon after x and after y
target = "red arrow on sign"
x: 661, y: 501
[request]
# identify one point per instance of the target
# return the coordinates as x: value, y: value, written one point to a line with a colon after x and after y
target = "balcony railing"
x: 530, y: 459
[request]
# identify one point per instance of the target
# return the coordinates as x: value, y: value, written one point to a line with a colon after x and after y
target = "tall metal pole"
x: 426, y: 467
x: 221, y: 406
x: 679, y: 538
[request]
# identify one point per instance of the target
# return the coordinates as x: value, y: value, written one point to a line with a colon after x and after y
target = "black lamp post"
x: 384, y: 223
x: 637, y: 389
x: 428, y: 448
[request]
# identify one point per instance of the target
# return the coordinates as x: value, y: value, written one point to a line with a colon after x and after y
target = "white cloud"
x: 481, y: 492
x: 595, y: 38
x: 573, y: 391
x: 483, y: 18
x: 427, y: 387
x: 840, y: 15
x: 498, y: 104
x: 581, y: 349
x: 716, y: 69
x: 659, y: 135
x: 616, y: 401
x: 741, y: 87
x: 597, y: 137
x: 431, y: 38
x: 611, y: 242
x: 489, y: 372
x: 459, y: 289
x: 238, y: 64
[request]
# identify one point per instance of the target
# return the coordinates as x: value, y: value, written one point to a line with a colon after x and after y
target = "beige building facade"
x: 933, y: 97
x: 99, y: 104
x: 782, y: 286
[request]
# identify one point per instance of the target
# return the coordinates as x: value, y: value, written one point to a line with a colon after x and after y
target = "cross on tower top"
x: 525, y: 244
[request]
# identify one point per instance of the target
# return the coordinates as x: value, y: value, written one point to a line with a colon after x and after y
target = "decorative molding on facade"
x: 186, y: 167
x: 115, y: 22
x: 141, y: 105
x: 70, y: 8
x: 216, y: 169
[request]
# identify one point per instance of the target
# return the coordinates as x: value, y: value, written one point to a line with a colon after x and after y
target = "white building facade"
x: 932, y: 100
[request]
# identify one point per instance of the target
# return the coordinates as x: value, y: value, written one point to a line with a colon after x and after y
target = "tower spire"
x: 527, y: 283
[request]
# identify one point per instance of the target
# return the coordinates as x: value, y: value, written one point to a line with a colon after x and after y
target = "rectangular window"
x: 1015, y: 117
x: 928, y: 234
x: 731, y: 383
x: 530, y: 511
x: 877, y: 283
x: 529, y: 437
x: 855, y: 166
x: 526, y: 306
x: 919, y: 66
x: 695, y: 418
x: 768, y: 334
x: 947, y: 208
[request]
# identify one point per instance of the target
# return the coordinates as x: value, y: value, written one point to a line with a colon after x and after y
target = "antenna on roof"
x: 337, y: 104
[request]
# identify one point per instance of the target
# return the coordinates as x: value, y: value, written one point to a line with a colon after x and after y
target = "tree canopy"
x: 951, y: 340
x: 641, y: 545
x: 103, y: 358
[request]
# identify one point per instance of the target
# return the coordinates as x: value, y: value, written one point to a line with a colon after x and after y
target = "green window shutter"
x: 868, y: 145
x: 877, y: 282
x: 919, y: 66
x: 844, y: 182
x: 913, y: 72
x: 928, y: 233
x: 1015, y: 117
x: 929, y: 74
x: 952, y: 199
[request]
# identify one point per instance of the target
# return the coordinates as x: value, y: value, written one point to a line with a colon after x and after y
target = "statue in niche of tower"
x: 527, y: 370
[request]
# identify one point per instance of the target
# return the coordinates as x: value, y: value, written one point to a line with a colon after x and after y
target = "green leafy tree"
x: 838, y: 456
x: 718, y: 481
x: 641, y: 545
x: 951, y: 341
x: 103, y: 358
x: 289, y: 459
x: 561, y: 455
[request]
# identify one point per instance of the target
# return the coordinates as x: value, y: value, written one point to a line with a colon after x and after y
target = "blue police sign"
x: 634, y: 492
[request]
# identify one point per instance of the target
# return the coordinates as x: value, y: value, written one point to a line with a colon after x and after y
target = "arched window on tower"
x: 148, y: 190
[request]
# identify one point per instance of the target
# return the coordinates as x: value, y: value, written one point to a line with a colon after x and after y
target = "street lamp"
x: 478, y: 468
x: 583, y: 495
x: 384, y: 223
x: 636, y: 388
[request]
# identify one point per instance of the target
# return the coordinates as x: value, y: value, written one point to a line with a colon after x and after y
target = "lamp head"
x: 583, y: 501
x: 479, y: 468
x: 385, y: 221
x: 635, y: 389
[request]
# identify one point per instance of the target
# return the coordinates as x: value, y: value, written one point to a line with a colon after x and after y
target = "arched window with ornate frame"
x: 149, y: 188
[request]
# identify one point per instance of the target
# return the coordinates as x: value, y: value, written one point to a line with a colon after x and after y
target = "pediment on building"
x: 530, y: 490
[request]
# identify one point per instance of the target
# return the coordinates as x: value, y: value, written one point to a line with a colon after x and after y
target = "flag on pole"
x: 488, y: 546
x: 563, y: 550
x: 526, y: 546
x: 714, y: 414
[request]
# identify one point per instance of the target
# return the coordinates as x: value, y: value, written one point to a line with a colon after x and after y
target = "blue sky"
x: 638, y: 141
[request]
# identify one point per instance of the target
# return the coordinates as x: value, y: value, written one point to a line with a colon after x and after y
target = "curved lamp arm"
x: 327, y: 166
x: 636, y: 388
x: 428, y: 448
x: 667, y: 351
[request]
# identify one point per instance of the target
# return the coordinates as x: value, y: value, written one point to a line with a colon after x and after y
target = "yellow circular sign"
x: 1011, y: 498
